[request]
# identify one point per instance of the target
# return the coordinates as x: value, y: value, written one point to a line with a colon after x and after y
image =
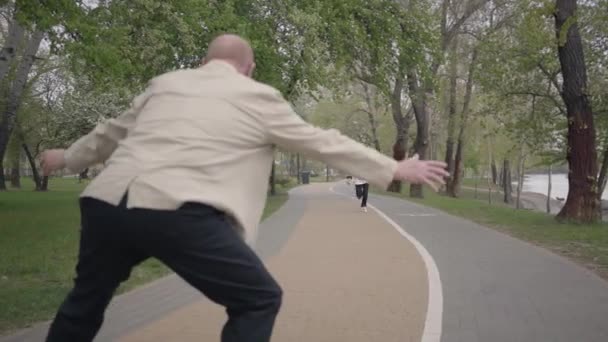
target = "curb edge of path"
x: 434, y: 314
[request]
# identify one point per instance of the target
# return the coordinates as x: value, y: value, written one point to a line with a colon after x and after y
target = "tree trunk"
x: 494, y: 172
x: 273, y: 188
x: 455, y: 188
x: 10, y: 108
x: 582, y: 204
x: 2, y: 176
x: 520, y: 177
x: 419, y: 97
x: 327, y: 173
x: 602, y: 178
x: 13, y: 155
x: 449, y: 145
x: 501, y: 182
x: 401, y: 133
x: 489, y: 191
x: 371, y: 111
x: 35, y: 175
x: 15, y: 177
x: 491, y: 170
x: 44, y: 186
x: 8, y: 52
x: 549, y: 186
x: 506, y: 182
x: 7, y: 55
x: 298, y: 171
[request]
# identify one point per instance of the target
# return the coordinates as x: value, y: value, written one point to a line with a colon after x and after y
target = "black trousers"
x: 196, y: 241
x: 362, y: 190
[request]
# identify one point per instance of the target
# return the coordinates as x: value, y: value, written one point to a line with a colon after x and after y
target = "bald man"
x: 185, y: 182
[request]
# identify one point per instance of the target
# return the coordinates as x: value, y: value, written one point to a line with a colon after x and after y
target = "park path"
x: 500, y: 289
x: 347, y: 276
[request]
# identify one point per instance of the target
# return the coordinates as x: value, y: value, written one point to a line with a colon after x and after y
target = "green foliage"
x: 132, y: 41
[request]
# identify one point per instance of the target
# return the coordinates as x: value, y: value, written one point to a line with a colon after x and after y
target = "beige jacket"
x: 207, y: 135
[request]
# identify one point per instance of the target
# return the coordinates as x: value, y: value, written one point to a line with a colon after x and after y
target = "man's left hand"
x: 52, y: 160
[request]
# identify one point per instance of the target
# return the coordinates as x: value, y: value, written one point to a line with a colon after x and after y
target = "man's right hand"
x: 52, y: 160
x: 429, y: 172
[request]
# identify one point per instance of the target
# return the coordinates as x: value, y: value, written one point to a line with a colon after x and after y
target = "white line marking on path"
x: 417, y: 215
x: 434, y: 312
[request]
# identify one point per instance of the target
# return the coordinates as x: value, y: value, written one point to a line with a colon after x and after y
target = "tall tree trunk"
x: 292, y: 165
x: 44, y: 184
x: 420, y: 93
x: 501, y: 176
x: 603, y: 173
x: 520, y: 177
x: 582, y: 204
x: 298, y: 170
x: 494, y: 172
x: 9, y: 50
x: 371, y: 111
x: 13, y: 156
x: 549, y: 186
x: 449, y: 144
x: 273, y: 188
x: 506, y: 182
x: 35, y: 175
x: 400, y: 136
x: 15, y: 177
x: 464, y: 120
x: 10, y: 108
x: 7, y: 55
x: 2, y: 176
x: 419, y: 97
x: 491, y: 170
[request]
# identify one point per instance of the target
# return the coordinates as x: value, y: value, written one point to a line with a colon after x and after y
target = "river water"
x: 538, y: 183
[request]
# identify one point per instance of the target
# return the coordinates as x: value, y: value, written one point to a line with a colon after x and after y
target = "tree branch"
x: 455, y: 27
x: 552, y: 76
x: 557, y: 103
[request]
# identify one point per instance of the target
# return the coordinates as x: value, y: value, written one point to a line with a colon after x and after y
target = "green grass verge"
x: 38, y: 248
x: 585, y: 244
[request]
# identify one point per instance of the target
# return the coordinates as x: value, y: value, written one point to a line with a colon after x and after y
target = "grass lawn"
x: 482, y: 183
x: 38, y: 248
x: 585, y: 244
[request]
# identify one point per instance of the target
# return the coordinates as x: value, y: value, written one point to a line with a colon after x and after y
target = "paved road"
x: 497, y: 288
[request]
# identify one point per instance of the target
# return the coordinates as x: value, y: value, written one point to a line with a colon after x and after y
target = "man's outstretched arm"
x: 288, y: 130
x: 96, y: 146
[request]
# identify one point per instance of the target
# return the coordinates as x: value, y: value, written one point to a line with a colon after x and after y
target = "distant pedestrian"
x: 361, y: 189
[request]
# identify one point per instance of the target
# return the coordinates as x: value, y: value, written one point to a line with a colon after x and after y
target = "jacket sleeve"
x: 287, y: 130
x: 100, y: 143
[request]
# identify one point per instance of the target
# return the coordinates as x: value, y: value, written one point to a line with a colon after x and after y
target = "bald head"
x: 232, y: 49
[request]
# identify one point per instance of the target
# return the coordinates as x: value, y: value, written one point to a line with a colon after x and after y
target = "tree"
x: 421, y: 91
x: 449, y: 145
x: 582, y: 203
x: 29, y: 23
x: 464, y: 121
x: 11, y: 104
